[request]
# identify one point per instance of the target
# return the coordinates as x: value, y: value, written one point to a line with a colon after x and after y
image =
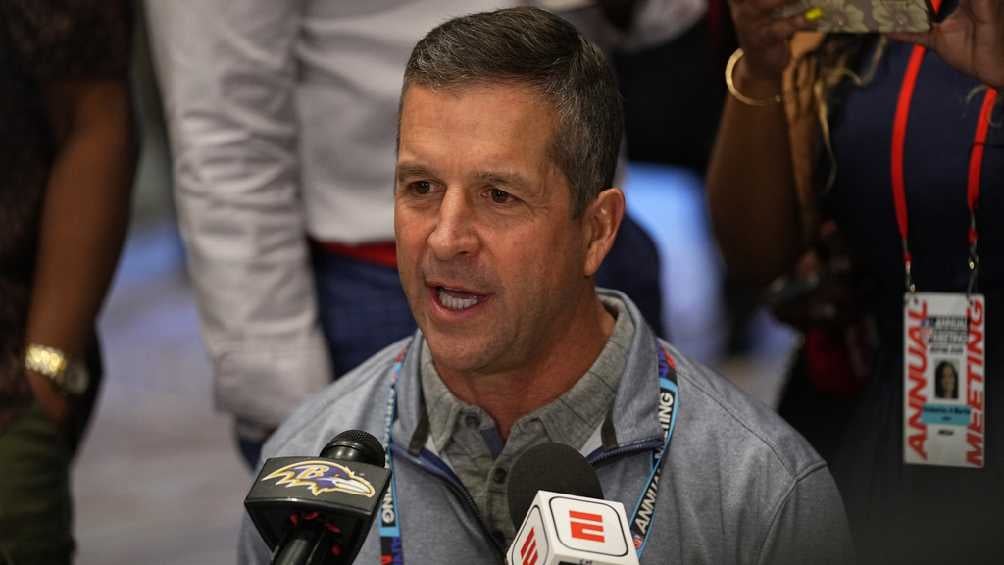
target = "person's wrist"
x: 751, y: 89
x: 755, y: 83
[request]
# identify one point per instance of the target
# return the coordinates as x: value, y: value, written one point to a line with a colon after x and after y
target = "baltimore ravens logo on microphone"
x: 321, y: 476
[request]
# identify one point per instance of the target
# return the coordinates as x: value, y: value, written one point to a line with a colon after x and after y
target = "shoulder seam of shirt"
x: 782, y: 501
x: 683, y: 370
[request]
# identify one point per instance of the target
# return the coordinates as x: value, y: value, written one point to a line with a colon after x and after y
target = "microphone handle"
x: 302, y: 547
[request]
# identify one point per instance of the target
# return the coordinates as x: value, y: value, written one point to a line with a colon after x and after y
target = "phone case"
x: 865, y: 16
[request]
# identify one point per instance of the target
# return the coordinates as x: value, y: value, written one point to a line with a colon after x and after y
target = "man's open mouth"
x: 457, y: 300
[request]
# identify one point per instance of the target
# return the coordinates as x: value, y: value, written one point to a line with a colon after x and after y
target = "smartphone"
x: 863, y: 16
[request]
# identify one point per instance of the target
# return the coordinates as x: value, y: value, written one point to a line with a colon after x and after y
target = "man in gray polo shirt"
x: 509, y: 131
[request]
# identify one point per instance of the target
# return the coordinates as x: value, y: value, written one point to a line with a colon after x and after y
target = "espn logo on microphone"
x: 586, y: 526
x: 562, y: 528
x: 592, y: 525
x: 533, y: 549
x: 529, y: 550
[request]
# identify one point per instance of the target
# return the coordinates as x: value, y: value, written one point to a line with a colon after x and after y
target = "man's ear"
x: 601, y: 220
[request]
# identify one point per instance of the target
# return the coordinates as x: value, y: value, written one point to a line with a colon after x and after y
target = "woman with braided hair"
x: 898, y: 140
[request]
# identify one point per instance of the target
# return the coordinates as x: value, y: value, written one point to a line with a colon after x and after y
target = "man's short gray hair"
x: 536, y: 48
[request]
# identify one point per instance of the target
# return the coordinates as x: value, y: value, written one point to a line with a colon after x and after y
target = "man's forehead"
x: 495, y: 130
x: 432, y: 106
x: 502, y: 93
x: 506, y: 116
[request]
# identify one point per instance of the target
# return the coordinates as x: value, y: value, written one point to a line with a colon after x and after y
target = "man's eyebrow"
x: 405, y: 170
x: 514, y: 180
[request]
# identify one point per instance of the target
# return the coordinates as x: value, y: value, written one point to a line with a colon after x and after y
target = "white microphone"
x: 562, y: 529
x: 557, y: 506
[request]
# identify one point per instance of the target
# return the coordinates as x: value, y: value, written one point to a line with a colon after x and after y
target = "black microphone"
x: 319, y: 510
x: 557, y: 506
x: 552, y: 467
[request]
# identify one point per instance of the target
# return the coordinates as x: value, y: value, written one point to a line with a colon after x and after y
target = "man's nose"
x: 454, y: 234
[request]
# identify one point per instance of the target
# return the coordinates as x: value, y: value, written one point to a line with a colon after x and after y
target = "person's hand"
x: 971, y: 40
x: 764, y: 38
x: 53, y: 403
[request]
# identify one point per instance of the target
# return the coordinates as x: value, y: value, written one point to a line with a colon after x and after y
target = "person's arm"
x: 227, y: 71
x: 84, y: 218
x: 751, y: 184
x: 82, y: 78
x: 751, y: 187
x: 810, y: 525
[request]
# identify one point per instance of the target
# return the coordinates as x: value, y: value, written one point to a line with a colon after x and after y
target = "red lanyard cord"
x: 898, y: 142
x: 976, y: 158
x: 897, y: 159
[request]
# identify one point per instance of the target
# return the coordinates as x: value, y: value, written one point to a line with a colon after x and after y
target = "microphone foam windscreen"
x: 554, y: 467
x: 362, y: 446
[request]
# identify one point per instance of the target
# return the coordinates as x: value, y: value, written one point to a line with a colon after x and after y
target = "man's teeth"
x: 454, y: 302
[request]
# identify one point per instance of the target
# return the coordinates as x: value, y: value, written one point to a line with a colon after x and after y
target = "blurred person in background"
x: 66, y: 162
x: 824, y: 298
x: 901, y: 146
x: 282, y: 120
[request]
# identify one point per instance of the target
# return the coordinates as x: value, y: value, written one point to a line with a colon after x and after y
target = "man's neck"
x: 508, y: 396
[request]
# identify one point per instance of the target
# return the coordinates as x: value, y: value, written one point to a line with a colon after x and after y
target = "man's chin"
x: 458, y: 354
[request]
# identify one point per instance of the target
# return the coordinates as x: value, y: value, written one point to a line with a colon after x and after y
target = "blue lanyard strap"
x: 391, y: 548
x: 669, y: 397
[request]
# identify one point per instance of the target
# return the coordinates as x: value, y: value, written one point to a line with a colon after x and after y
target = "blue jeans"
x: 362, y: 308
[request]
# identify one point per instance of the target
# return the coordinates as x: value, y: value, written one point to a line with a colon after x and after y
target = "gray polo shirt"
x: 738, y: 485
x: 465, y: 436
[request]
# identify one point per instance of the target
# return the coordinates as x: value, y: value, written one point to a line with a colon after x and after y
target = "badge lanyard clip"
x: 974, y: 259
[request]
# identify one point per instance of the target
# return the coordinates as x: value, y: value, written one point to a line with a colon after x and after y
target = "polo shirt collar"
x: 633, y: 417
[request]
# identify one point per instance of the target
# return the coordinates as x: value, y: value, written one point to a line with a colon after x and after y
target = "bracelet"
x: 729, y: 69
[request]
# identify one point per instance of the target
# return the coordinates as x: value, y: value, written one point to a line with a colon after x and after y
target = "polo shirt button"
x: 472, y: 421
x: 499, y: 475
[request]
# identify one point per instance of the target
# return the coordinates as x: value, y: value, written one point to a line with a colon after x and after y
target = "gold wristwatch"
x: 69, y: 376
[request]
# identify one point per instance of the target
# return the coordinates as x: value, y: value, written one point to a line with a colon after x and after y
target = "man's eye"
x: 421, y: 187
x: 499, y: 196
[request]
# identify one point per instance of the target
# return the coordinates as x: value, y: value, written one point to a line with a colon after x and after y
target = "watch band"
x: 68, y: 376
